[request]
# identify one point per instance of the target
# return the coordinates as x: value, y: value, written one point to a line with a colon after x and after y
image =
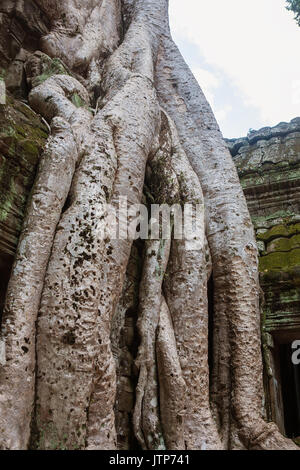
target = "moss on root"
x: 51, y: 67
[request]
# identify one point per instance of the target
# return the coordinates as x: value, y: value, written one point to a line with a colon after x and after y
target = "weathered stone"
x: 266, y: 133
x: 22, y: 24
x: 22, y: 138
x: 268, y: 163
x: 15, y: 76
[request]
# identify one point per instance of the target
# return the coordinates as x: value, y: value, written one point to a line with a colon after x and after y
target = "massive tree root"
x: 58, y: 382
x: 234, y: 255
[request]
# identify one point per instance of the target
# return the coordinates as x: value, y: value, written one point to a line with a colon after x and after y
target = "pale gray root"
x: 67, y: 343
x: 221, y: 378
x: 172, y: 387
x: 55, y: 97
x: 138, y: 51
x: 82, y: 32
x: 49, y: 195
x: 164, y: 188
x: 173, y: 180
x: 230, y: 236
x: 185, y: 289
x: 135, y: 126
x: 17, y: 374
x: 191, y: 331
x: 118, y: 145
x: 76, y: 373
x: 146, y: 418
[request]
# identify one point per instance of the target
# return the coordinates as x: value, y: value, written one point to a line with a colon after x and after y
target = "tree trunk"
x: 99, y: 353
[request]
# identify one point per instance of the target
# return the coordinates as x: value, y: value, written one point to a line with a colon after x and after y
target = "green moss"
x: 282, y: 230
x: 8, y: 132
x: 7, y: 201
x: 31, y: 149
x: 285, y: 244
x: 161, y: 182
x: 253, y: 173
x: 54, y: 443
x: 22, y: 139
x: 50, y: 68
x: 280, y: 261
x: 78, y: 101
x: 4, y: 209
x: 279, y: 217
x: 297, y: 441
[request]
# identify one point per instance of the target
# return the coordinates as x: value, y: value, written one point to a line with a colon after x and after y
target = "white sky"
x: 245, y: 55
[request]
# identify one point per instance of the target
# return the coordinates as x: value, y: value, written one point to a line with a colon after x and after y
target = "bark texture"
x: 127, y: 117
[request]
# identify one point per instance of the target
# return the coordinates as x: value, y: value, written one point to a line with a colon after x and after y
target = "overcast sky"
x: 245, y: 55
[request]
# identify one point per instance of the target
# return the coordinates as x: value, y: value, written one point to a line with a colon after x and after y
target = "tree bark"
x: 151, y: 125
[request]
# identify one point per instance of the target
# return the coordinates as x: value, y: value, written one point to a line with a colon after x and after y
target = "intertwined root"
x: 18, y: 332
x: 75, y: 388
x: 82, y: 33
x: 58, y: 366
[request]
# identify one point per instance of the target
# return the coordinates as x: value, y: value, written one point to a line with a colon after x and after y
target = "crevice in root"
x: 210, y: 299
x: 124, y: 340
x: 188, y: 268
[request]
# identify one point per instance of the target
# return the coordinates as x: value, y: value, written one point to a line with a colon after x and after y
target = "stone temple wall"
x: 268, y: 163
x: 23, y: 136
x: 22, y: 24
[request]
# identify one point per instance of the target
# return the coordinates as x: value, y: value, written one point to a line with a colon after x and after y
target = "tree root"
x: 146, y: 416
x: 68, y: 277
x: 82, y: 34
x: 172, y: 386
x: 231, y: 240
x: 17, y: 374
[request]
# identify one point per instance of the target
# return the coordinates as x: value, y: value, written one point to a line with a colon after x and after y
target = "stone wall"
x: 22, y: 24
x: 22, y: 138
x: 268, y: 163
